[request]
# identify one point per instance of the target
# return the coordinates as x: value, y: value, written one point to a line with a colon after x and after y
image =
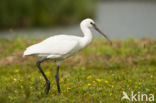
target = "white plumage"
x: 55, y: 47
x: 60, y: 47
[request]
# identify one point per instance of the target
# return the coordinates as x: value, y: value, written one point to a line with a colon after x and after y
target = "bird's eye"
x: 91, y: 23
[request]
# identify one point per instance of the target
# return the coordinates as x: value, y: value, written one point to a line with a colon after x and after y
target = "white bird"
x: 60, y: 47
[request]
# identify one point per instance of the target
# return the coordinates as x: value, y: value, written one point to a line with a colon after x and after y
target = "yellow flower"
x: 89, y: 77
x: 68, y: 88
x: 110, y: 94
x: 61, y: 80
x: 93, y: 81
x: 106, y: 81
x: 48, y: 73
x: 16, y: 70
x: 99, y: 80
x: 89, y: 84
x: 112, y: 86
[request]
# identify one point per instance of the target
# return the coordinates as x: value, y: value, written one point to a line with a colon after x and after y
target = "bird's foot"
x: 59, y: 91
x: 47, y: 87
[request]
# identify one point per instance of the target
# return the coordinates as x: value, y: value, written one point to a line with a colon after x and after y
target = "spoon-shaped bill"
x: 97, y: 29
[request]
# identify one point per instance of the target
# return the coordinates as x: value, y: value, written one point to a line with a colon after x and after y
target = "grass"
x: 44, y: 13
x: 97, y: 74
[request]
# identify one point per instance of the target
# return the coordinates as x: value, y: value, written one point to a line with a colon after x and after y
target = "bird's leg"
x: 57, y: 79
x: 45, y: 77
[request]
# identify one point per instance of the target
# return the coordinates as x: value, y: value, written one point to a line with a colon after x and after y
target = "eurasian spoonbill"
x: 60, y: 47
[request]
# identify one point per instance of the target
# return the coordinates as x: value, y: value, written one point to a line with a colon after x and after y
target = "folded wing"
x: 56, y: 45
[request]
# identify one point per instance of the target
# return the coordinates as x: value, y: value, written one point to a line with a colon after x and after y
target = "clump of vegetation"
x: 27, y: 13
x: 99, y: 73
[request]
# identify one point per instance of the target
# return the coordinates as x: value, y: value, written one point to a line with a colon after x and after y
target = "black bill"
x: 97, y: 29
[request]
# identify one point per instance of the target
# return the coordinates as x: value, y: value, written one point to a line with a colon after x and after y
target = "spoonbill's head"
x: 89, y: 23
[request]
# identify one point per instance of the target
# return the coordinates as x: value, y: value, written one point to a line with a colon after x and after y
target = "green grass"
x: 43, y: 13
x: 97, y: 74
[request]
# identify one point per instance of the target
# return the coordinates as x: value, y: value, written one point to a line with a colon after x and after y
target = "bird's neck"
x: 87, y: 36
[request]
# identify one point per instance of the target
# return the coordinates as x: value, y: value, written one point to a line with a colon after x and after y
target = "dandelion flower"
x: 89, y: 77
x: 16, y: 70
x: 93, y: 81
x: 48, y: 73
x: 99, y: 80
x: 89, y: 84
x: 61, y: 80
x: 106, y: 81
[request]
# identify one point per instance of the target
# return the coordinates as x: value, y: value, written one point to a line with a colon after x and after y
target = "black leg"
x: 45, y: 77
x: 57, y: 79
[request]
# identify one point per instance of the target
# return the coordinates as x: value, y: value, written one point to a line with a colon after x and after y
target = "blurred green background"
x: 119, y: 19
x: 32, y: 13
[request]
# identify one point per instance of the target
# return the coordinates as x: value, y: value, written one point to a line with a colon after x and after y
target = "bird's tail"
x: 31, y: 50
x: 26, y: 53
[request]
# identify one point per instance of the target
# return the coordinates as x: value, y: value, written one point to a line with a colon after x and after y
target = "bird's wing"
x: 56, y: 45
